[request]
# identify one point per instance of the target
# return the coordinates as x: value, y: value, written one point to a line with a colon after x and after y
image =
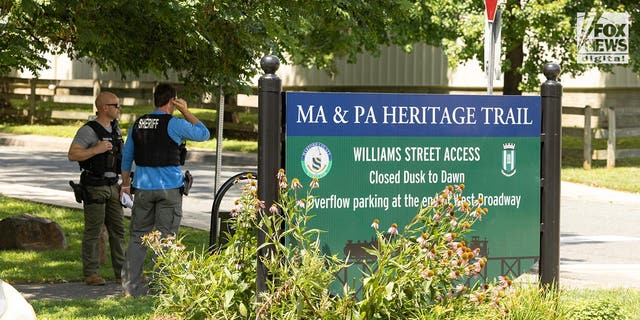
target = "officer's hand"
x: 180, y: 104
x: 103, y: 146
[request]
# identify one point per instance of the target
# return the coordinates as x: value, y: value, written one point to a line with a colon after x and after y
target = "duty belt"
x: 87, y: 178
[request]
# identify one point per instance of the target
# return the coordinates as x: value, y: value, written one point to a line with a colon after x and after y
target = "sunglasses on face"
x: 116, y: 105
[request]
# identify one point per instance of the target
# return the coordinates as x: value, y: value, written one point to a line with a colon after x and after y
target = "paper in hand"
x: 126, y: 200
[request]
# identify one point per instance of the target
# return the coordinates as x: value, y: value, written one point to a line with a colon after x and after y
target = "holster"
x: 77, y: 191
x: 188, y: 182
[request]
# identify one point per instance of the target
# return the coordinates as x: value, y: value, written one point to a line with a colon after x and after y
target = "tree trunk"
x: 513, y: 76
x: 231, y: 116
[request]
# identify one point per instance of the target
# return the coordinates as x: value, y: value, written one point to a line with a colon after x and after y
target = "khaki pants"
x: 152, y: 209
x: 102, y: 207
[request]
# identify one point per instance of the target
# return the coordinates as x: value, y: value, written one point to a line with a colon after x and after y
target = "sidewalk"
x: 598, y: 226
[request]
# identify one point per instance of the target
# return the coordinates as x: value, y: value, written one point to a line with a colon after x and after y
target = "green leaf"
x: 242, y: 309
x: 389, y: 291
x: 228, y: 297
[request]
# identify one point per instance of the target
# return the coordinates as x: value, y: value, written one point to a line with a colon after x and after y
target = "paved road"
x: 37, y: 169
x: 600, y: 228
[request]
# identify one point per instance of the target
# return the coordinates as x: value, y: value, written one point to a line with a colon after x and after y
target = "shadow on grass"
x: 112, y: 308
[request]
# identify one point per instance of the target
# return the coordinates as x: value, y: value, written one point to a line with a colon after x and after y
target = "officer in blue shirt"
x: 156, y: 143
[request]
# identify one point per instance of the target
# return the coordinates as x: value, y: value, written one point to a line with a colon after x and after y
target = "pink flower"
x: 454, y: 274
x: 283, y: 183
x: 237, y: 209
x: 314, y: 183
x: 504, y: 281
x: 427, y: 273
x: 375, y: 224
x: 464, y: 207
x: 393, y: 230
x: 477, y: 297
x: 274, y: 209
x: 422, y: 240
x: 295, y: 184
x: 448, y: 236
x: 258, y: 204
x: 280, y: 174
x: 301, y: 203
x: 477, y: 213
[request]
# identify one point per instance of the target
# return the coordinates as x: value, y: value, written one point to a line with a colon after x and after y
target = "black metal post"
x: 551, y: 94
x: 269, y: 150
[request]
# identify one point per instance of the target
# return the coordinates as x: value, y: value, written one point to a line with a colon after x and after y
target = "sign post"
x: 492, y: 41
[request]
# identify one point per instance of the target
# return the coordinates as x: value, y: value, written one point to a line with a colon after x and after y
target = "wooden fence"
x: 602, y: 123
x: 130, y: 93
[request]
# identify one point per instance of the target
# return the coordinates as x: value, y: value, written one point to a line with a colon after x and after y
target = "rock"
x: 28, y: 232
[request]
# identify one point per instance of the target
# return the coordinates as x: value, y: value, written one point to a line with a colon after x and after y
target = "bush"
x: 420, y: 271
x: 597, y: 309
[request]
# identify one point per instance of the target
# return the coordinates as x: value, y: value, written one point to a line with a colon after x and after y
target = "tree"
x: 535, y: 32
x: 219, y: 43
x: 17, y: 48
x: 214, y: 43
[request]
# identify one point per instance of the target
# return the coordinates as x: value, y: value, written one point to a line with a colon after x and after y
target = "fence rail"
x: 81, y: 91
x: 602, y: 123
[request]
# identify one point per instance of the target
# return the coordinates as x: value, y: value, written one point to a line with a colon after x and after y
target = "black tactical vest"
x: 153, y: 145
x: 109, y: 161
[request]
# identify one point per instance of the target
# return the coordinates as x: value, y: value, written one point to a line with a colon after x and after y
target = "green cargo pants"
x: 102, y: 207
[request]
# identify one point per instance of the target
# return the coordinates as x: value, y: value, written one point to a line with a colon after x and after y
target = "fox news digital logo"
x: 603, y: 38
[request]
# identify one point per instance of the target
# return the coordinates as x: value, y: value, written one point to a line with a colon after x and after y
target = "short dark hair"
x: 164, y: 92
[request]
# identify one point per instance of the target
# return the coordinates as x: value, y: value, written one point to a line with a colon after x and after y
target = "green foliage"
x: 425, y: 265
x: 627, y: 299
x: 541, y: 30
x: 21, y: 48
x: 420, y: 272
x: 597, y: 309
x: 213, y: 43
x: 530, y: 302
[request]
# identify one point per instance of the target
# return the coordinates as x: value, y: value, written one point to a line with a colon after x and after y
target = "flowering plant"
x: 420, y: 270
x: 428, y: 264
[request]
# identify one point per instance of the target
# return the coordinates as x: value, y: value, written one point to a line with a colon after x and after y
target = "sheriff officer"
x: 97, y: 146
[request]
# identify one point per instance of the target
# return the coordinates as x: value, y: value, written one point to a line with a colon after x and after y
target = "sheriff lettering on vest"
x: 97, y: 146
x: 156, y: 143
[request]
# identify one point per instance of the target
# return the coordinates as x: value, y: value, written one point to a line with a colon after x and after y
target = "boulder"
x: 28, y: 232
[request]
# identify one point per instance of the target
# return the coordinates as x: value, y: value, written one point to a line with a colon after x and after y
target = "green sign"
x: 383, y: 156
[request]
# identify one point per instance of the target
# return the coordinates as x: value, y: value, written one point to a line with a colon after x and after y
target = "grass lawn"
x: 618, y: 178
x: 68, y: 128
x: 102, y: 309
x: 17, y: 266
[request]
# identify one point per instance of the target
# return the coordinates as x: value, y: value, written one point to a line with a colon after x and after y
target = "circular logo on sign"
x: 316, y: 160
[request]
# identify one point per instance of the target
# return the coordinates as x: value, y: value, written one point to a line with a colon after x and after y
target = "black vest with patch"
x: 109, y: 161
x: 153, y: 145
